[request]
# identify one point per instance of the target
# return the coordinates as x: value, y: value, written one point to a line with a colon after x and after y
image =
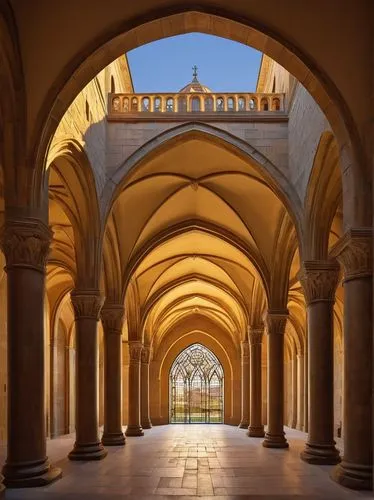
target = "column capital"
x: 319, y: 280
x: 244, y: 351
x: 354, y: 252
x: 26, y: 243
x: 112, y: 316
x: 255, y: 334
x: 87, y: 303
x: 135, y: 351
x: 275, y: 321
x: 146, y: 354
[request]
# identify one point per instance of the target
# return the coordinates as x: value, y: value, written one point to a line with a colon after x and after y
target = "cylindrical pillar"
x: 134, y: 428
x: 319, y: 280
x: 245, y: 384
x: 112, y: 320
x: 25, y: 243
x: 355, y: 253
x: 294, y: 391
x: 306, y: 385
x: 300, y: 391
x: 87, y: 305
x: 276, y: 324
x: 145, y: 419
x: 256, y: 427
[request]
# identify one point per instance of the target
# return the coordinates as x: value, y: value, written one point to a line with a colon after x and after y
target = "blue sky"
x: 165, y: 65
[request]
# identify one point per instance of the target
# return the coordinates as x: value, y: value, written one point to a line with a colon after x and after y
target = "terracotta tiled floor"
x: 179, y: 461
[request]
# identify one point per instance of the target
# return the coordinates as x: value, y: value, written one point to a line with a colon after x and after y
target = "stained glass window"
x: 196, y: 387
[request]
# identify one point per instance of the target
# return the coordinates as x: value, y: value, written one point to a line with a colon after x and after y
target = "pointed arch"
x: 273, y: 176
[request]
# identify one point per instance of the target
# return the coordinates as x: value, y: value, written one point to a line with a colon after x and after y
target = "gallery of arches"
x: 186, y: 249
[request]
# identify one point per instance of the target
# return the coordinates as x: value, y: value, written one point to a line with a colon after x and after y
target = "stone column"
x: 25, y: 243
x: 112, y: 321
x: 319, y: 280
x: 256, y: 428
x: 355, y: 253
x: 245, y: 385
x: 87, y: 305
x: 134, y: 428
x: 294, y: 391
x: 144, y: 410
x: 306, y: 387
x: 276, y: 324
x: 300, y: 391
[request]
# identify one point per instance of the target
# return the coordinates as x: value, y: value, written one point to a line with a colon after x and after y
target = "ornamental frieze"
x: 319, y: 280
x: 87, y: 304
x: 26, y: 243
x: 135, y: 351
x: 356, y: 257
x: 255, y: 335
x: 112, y: 316
x: 276, y: 322
x: 146, y: 354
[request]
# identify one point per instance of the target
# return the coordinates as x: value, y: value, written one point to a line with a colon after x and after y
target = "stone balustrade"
x: 122, y: 105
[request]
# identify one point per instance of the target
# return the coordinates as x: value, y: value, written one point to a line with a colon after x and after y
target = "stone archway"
x: 159, y: 24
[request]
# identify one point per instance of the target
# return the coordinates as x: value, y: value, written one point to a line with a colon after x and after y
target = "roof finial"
x: 194, y: 74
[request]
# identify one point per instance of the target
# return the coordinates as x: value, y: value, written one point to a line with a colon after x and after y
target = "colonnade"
x: 25, y: 243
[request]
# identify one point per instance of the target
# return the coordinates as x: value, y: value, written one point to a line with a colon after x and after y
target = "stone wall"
x: 306, y: 120
x: 269, y: 138
x: 305, y: 127
x: 85, y: 120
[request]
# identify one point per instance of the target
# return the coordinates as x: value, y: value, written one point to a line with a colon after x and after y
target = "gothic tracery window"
x: 196, y: 387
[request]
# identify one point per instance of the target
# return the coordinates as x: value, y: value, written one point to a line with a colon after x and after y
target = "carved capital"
x: 245, y: 351
x: 87, y: 303
x: 255, y: 334
x: 26, y: 243
x: 135, y: 351
x: 355, y: 253
x: 319, y: 280
x: 146, y: 354
x: 112, y: 316
x: 276, y: 322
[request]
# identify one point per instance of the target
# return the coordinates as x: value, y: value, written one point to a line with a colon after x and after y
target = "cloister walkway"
x: 180, y: 461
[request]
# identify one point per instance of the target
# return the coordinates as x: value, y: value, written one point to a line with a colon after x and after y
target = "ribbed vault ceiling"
x: 193, y: 234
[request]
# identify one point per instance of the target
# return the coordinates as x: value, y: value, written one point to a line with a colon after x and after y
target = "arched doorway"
x: 196, y: 385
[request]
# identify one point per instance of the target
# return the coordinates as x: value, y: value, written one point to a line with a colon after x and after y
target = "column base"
x: 275, y: 441
x: 319, y: 454
x: 256, y: 431
x: 356, y: 477
x: 113, y: 439
x: 147, y: 424
x: 94, y: 451
x: 244, y: 424
x: 30, y: 474
x: 134, y: 430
